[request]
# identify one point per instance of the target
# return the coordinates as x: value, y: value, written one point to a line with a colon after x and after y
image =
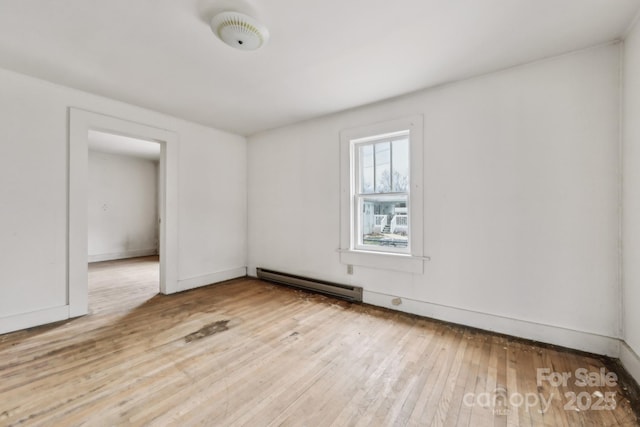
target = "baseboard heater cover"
x: 351, y: 293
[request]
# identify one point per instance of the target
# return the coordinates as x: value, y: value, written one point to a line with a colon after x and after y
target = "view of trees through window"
x: 383, y: 192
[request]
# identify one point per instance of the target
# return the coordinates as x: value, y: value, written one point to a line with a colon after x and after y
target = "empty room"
x: 316, y: 213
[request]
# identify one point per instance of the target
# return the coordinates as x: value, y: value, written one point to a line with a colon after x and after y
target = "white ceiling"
x: 323, y: 55
x: 123, y: 145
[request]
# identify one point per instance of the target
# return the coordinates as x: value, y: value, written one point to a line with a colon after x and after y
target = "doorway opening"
x: 92, y: 233
x: 123, y: 217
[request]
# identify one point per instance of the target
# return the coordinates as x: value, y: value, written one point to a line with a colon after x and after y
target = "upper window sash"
x: 396, y: 172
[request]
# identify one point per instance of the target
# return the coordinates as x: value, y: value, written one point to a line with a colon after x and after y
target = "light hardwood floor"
x: 251, y: 353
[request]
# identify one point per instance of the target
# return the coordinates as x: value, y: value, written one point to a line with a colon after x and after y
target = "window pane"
x: 366, y: 168
x: 400, y: 165
x: 383, y: 167
x: 384, y: 221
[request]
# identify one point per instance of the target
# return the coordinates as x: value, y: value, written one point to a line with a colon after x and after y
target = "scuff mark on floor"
x: 207, y: 330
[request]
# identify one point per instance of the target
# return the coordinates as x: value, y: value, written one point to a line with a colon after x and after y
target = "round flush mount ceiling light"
x: 239, y: 30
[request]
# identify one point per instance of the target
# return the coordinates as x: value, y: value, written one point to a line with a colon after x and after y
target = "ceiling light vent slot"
x: 239, y: 30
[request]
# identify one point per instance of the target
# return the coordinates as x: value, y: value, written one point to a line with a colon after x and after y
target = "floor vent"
x: 351, y: 293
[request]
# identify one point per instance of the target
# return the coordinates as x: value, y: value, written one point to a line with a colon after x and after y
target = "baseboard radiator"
x: 350, y: 293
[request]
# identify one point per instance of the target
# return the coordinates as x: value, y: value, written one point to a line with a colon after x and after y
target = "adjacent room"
x: 122, y: 222
x: 421, y: 212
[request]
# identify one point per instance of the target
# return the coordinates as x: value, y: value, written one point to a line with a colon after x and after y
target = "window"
x: 381, y: 195
x: 381, y: 192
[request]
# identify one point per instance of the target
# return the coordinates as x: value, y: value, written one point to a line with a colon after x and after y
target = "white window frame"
x: 351, y: 253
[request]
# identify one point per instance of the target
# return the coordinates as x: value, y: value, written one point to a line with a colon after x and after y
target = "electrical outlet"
x: 349, y: 269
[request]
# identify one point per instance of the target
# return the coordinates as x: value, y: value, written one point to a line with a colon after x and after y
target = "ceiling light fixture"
x: 239, y: 30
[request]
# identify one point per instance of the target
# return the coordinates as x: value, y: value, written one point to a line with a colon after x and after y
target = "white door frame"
x: 80, y: 123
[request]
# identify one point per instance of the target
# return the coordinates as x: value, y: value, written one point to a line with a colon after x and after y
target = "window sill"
x: 384, y: 260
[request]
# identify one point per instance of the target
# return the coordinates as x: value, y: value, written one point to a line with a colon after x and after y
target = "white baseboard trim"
x: 209, y: 279
x: 251, y: 271
x: 630, y: 360
x: 34, y: 318
x: 123, y: 255
x: 585, y: 341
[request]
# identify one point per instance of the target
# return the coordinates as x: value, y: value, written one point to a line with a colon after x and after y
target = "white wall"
x: 631, y: 200
x: 521, y: 195
x: 123, y: 206
x: 33, y: 190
